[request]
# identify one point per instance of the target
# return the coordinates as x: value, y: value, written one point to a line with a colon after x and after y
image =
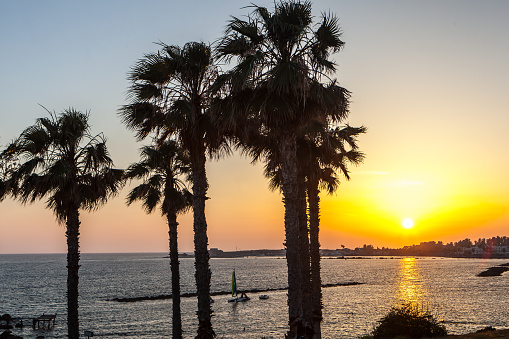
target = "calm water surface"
x: 35, y: 284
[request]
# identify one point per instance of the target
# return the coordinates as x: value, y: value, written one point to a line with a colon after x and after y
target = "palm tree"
x: 282, y: 61
x: 320, y: 158
x: 265, y: 146
x: 60, y: 160
x: 171, y: 97
x: 320, y: 153
x: 160, y: 169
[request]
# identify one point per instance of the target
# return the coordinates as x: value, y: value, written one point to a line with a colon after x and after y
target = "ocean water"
x: 31, y: 285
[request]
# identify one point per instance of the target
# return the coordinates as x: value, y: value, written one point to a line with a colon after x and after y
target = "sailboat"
x: 235, y: 298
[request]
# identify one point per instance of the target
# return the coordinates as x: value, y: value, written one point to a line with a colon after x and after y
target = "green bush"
x: 408, y: 321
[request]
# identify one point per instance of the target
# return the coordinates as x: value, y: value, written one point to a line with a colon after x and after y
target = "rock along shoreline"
x: 494, y: 271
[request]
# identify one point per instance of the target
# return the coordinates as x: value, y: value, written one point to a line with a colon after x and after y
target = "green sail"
x: 234, y: 284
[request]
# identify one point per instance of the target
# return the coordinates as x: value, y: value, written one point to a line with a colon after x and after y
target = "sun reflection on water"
x: 410, y: 289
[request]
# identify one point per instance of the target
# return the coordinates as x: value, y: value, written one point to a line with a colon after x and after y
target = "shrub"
x: 408, y: 321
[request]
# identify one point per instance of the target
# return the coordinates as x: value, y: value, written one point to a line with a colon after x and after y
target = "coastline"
x: 482, y: 335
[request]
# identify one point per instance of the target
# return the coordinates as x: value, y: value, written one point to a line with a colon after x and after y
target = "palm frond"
x: 328, y: 180
x: 262, y: 13
x: 143, y: 117
x: 33, y: 140
x: 327, y: 41
x: 137, y: 193
x: 73, y: 126
x: 144, y: 92
x: 153, y: 68
x: 177, y: 201
x: 151, y: 200
x: 290, y: 21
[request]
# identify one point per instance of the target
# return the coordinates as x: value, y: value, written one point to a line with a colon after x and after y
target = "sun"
x: 407, y: 223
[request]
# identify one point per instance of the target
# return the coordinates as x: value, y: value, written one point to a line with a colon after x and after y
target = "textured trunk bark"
x: 175, y: 277
x: 287, y: 149
x: 73, y: 256
x: 307, y: 304
x: 201, y: 254
x: 316, y: 282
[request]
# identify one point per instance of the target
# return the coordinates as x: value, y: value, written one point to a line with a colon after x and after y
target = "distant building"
x: 216, y: 253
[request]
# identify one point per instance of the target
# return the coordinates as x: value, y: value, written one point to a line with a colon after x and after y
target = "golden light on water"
x: 410, y: 290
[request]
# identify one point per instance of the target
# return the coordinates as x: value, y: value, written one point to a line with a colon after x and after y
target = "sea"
x: 449, y: 288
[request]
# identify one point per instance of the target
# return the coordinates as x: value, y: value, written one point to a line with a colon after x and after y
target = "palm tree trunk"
x: 175, y: 277
x: 201, y: 254
x: 73, y: 256
x: 316, y: 282
x: 287, y: 149
x: 307, y: 303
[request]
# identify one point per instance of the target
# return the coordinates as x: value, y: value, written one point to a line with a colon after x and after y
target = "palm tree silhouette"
x: 282, y: 77
x: 321, y: 157
x: 160, y: 170
x: 321, y: 152
x: 60, y: 160
x: 171, y: 97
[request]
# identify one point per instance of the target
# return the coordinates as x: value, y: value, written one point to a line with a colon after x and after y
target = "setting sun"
x: 407, y: 223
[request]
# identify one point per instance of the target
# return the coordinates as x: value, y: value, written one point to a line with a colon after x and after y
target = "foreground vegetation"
x: 408, y: 321
x: 411, y: 321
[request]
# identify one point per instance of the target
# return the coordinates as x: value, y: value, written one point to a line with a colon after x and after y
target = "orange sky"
x: 428, y: 81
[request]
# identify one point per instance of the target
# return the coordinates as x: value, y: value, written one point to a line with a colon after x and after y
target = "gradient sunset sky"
x: 429, y: 81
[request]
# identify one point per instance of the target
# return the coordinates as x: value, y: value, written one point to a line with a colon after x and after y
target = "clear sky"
x: 429, y: 80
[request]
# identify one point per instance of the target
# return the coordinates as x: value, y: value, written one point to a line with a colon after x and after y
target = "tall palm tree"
x: 265, y: 146
x: 281, y: 76
x: 160, y: 169
x: 171, y: 97
x: 61, y: 161
x: 320, y: 158
x: 321, y: 152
